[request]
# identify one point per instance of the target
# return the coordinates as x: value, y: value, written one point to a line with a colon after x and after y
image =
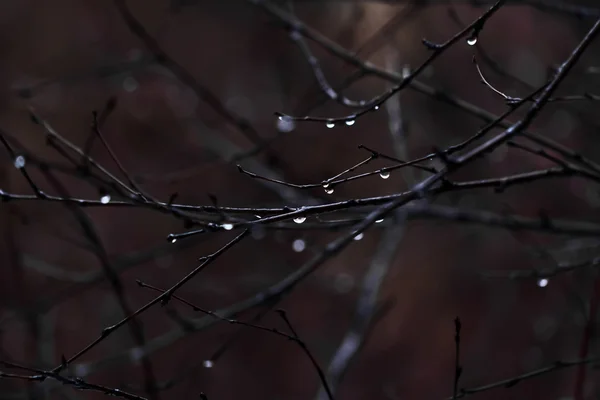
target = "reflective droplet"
x: 329, y: 190
x: 472, y: 40
x: 330, y: 125
x: 325, y: 185
x: 227, y: 227
x: 299, y: 245
x: 384, y: 174
x: 359, y: 236
x: 542, y: 282
x: 405, y: 71
x: 285, y: 124
x: 376, y: 108
x: 208, y: 364
x: 379, y: 221
x: 105, y: 199
x: 350, y: 122
x: 173, y: 240
x: 19, y: 162
x: 299, y: 220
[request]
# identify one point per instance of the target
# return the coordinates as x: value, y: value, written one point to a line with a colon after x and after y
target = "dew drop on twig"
x: 329, y: 190
x: 542, y: 282
x: 285, y: 124
x: 208, y: 364
x: 299, y: 220
x: 384, y: 174
x: 19, y: 162
x: 350, y: 122
x: 105, y: 199
x: 330, y: 125
x: 227, y: 227
x: 379, y: 221
x: 359, y: 236
x: 472, y: 41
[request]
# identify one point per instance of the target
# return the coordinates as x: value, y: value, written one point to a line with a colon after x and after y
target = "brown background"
x: 71, y: 56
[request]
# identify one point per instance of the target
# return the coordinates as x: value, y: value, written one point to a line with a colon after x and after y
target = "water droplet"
x: 173, y: 240
x: 208, y: 364
x: 325, y: 185
x: 299, y: 220
x: 405, y: 71
x: 384, y: 174
x: 329, y: 190
x: 350, y: 122
x: 379, y: 221
x: 472, y: 40
x: 359, y: 236
x: 105, y: 199
x: 285, y: 124
x: 542, y: 282
x: 376, y: 108
x: 19, y: 162
x: 227, y: 227
x: 330, y: 125
x: 299, y: 245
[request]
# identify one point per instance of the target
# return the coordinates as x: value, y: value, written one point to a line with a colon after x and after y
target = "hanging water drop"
x: 376, y: 108
x: 227, y: 227
x: 208, y: 364
x: 19, y: 162
x: 105, y: 199
x: 330, y: 125
x: 329, y: 190
x: 405, y: 71
x: 350, y: 122
x: 472, y: 41
x: 299, y: 220
x: 173, y: 240
x: 299, y: 245
x: 359, y: 236
x: 384, y: 174
x: 325, y: 185
x: 379, y: 221
x: 285, y: 124
x: 542, y: 282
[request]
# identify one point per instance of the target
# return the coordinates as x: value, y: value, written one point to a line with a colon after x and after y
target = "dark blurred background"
x: 67, y: 58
